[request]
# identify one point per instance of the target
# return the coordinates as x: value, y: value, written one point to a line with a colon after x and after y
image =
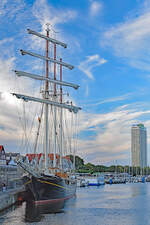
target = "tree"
x: 79, y: 162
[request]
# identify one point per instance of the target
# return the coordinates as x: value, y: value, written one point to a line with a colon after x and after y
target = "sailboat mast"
x: 55, y: 69
x: 61, y: 134
x: 55, y: 132
x: 60, y: 80
x: 46, y: 105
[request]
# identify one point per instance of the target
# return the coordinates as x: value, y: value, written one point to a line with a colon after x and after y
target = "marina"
x: 125, y: 204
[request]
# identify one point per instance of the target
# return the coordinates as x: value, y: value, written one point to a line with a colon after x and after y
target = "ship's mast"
x: 46, y: 105
x: 61, y: 133
x: 46, y: 101
x: 55, y: 132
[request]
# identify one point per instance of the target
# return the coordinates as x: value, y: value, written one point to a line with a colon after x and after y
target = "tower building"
x: 139, y: 145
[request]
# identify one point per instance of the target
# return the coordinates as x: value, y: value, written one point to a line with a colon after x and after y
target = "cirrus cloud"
x: 130, y: 40
x: 92, y: 61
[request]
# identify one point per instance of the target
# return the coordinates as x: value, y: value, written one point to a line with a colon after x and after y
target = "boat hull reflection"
x: 32, y: 212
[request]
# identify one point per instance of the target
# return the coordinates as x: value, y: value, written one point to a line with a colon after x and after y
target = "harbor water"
x: 118, y: 204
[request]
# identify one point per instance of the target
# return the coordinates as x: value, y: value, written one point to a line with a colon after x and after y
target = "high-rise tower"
x: 139, y: 145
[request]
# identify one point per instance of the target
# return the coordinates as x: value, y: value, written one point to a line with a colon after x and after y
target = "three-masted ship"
x: 49, y: 185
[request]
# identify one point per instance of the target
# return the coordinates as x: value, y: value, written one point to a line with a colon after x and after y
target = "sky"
x: 108, y: 43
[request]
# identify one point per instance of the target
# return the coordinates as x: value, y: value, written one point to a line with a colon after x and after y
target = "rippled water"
x: 120, y: 204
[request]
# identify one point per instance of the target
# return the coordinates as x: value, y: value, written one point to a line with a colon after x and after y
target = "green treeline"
x: 81, y: 167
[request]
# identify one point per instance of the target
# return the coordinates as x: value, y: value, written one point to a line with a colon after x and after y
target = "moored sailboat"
x: 49, y: 180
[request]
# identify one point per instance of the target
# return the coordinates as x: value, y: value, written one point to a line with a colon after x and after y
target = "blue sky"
x: 109, y: 45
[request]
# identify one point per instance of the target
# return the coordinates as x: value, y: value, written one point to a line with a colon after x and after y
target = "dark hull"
x: 49, y: 193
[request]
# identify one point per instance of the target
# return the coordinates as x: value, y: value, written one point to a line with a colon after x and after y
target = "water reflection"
x: 140, y: 204
x: 139, y: 189
x: 32, y: 212
x: 111, y: 205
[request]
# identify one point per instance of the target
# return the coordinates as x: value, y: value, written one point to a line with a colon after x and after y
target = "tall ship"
x: 49, y: 173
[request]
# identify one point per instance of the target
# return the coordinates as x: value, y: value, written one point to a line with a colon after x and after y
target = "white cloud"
x: 91, y: 62
x: 111, y: 134
x: 95, y: 8
x: 45, y: 13
x: 8, y: 79
x: 11, y: 108
x: 11, y: 8
x: 6, y: 40
x: 130, y: 40
x: 6, y: 74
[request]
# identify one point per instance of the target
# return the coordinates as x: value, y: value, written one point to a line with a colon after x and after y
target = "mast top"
x: 47, y: 26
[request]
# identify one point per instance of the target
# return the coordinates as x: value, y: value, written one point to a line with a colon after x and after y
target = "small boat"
x: 148, y: 178
x: 83, y: 183
x: 96, y: 181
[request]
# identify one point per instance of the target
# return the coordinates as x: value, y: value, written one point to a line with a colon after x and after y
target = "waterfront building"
x: 2, y: 156
x: 139, y: 145
x: 7, y: 158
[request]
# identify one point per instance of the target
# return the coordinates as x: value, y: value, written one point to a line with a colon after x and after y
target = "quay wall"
x: 9, y: 197
x: 11, y: 179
